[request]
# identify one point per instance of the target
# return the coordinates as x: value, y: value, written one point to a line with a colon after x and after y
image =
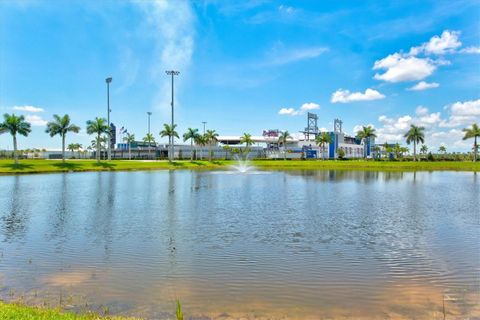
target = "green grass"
x: 45, y: 166
x: 11, y: 311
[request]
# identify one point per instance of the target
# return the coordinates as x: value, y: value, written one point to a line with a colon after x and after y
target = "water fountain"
x: 242, y: 165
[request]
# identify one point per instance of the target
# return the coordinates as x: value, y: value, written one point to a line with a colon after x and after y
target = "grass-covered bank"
x: 17, y: 311
x: 45, y: 166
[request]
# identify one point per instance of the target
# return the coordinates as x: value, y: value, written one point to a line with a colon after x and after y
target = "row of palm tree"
x: 61, y: 125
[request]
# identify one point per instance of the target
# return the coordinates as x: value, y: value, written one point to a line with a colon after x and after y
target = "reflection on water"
x: 296, y: 244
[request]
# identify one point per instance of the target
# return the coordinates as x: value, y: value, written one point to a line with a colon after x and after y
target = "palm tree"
x: 14, y: 125
x: 473, y: 132
x: 200, y: 141
x: 129, y: 139
x: 424, y: 149
x: 247, y: 140
x: 191, y: 135
x: 365, y: 134
x: 98, y: 126
x: 282, y: 138
x: 72, y: 147
x: 169, y: 131
x: 416, y: 135
x: 321, y: 140
x: 149, y: 138
x: 210, y: 138
x: 442, y: 149
x: 61, y: 126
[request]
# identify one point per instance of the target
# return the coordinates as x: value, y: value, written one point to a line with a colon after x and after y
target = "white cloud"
x: 286, y: 9
x: 403, y: 68
x: 280, y: 56
x: 345, y: 96
x: 446, y: 43
x: 28, y: 108
x: 422, y: 85
x: 462, y: 114
x: 304, y: 108
x: 172, y: 29
x: 471, y: 50
x: 35, y: 120
x: 421, y: 111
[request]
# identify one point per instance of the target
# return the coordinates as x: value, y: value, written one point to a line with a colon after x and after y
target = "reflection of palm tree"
x: 61, y: 126
x: 210, y: 138
x: 365, y: 134
x: 169, y: 131
x: 321, y: 140
x: 415, y: 135
x: 149, y: 139
x: 129, y: 139
x: 14, y: 125
x: 98, y: 126
x: 473, y: 132
x: 283, y: 137
x: 191, y: 135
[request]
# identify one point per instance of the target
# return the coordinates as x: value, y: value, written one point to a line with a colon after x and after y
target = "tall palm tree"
x: 247, y: 140
x: 149, y: 138
x: 473, y: 132
x: 129, y: 139
x: 210, y: 138
x: 321, y: 140
x: 61, y: 126
x: 191, y: 135
x: 14, y: 125
x: 200, y: 141
x: 415, y: 135
x: 365, y: 134
x: 98, y: 126
x: 169, y: 131
x: 282, y: 138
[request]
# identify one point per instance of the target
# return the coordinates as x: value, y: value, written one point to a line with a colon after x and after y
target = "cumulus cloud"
x: 400, y: 68
x: 345, y: 96
x: 462, y: 114
x: 172, y: 29
x: 447, y: 42
x: 304, y: 108
x: 422, y: 85
x: 471, y: 50
x: 28, y: 108
x: 35, y: 120
x: 418, y: 64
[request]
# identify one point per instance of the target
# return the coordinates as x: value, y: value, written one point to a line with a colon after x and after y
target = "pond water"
x: 277, y: 245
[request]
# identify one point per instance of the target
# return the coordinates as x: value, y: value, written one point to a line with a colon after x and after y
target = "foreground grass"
x: 44, y: 166
x: 21, y: 312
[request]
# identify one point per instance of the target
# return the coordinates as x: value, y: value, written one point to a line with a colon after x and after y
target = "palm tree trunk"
x: 98, y: 148
x: 210, y: 152
x: 15, y: 155
x: 475, y: 149
x: 191, y: 149
x: 129, y: 151
x: 414, y: 151
x: 63, y: 148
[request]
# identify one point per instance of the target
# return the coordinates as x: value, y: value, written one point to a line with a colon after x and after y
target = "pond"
x: 272, y: 245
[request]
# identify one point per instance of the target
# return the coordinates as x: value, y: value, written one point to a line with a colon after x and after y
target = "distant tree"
x: 365, y: 134
x: 210, y: 138
x: 442, y: 149
x: 99, y: 127
x: 72, y: 147
x: 415, y: 135
x: 129, y: 139
x: 424, y: 149
x: 473, y: 132
x: 191, y: 134
x: 282, y: 138
x: 149, y: 138
x: 341, y: 153
x: 200, y: 141
x: 227, y: 149
x: 15, y: 125
x: 61, y: 126
x: 322, y: 140
x: 169, y: 131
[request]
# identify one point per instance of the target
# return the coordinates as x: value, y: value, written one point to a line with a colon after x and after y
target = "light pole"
x: 204, y: 123
x: 172, y: 73
x: 108, y: 81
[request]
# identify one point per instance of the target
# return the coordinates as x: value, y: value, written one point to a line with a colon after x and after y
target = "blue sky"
x: 245, y: 65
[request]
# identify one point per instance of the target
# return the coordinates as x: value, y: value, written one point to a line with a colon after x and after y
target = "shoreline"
x: 7, y: 167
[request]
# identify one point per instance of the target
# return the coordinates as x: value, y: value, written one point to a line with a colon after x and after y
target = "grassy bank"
x: 11, y: 311
x: 45, y: 166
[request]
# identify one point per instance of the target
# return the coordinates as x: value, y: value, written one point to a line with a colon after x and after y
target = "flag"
x: 121, y: 129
